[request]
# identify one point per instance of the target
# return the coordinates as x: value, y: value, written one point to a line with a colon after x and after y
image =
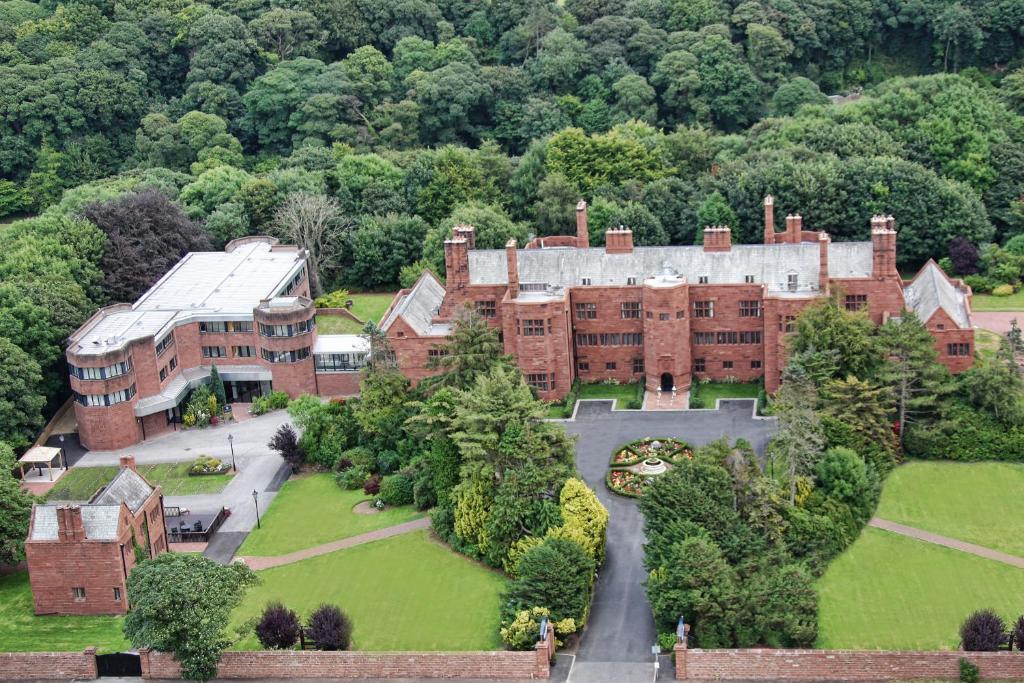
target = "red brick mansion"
x: 246, y: 310
x: 667, y: 315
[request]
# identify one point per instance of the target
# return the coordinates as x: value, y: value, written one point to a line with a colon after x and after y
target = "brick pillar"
x: 128, y: 461
x: 144, y: 661
x: 679, y: 651
x: 823, y: 241
x: 582, y: 230
x: 769, y: 219
x: 90, y: 652
x: 545, y: 650
x: 512, y: 260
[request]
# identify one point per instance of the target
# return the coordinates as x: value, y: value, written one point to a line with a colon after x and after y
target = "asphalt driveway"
x: 621, y: 628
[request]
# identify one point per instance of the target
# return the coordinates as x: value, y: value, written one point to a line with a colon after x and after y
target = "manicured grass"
x: 79, y: 483
x: 406, y: 592
x: 313, y: 510
x: 707, y: 395
x: 22, y: 631
x: 986, y: 343
x: 337, y: 324
x: 371, y: 306
x: 621, y: 393
x: 980, y: 503
x: 892, y: 592
x: 987, y: 302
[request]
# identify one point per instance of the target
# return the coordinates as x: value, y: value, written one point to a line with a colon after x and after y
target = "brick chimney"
x: 456, y: 263
x: 582, y: 231
x: 466, y: 232
x: 618, y: 241
x: 823, y: 241
x: 129, y: 462
x: 717, y: 238
x: 883, y: 247
x: 769, y: 219
x: 794, y: 226
x: 69, y: 523
x: 512, y: 258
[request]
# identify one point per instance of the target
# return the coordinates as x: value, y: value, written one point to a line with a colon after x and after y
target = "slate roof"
x: 100, y: 522
x: 128, y: 486
x: 931, y: 290
x: 769, y: 264
x: 420, y: 305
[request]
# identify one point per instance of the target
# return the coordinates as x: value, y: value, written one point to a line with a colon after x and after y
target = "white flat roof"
x: 215, y: 285
x: 341, y: 343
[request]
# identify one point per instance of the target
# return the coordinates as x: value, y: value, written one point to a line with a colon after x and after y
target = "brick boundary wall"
x: 24, y: 666
x: 840, y: 665
x: 377, y: 665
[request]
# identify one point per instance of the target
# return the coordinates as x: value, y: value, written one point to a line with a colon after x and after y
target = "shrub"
x: 335, y: 299
x: 1017, y: 634
x: 521, y: 632
x: 275, y: 400
x: 983, y: 631
x: 1002, y: 290
x: 352, y: 478
x: 278, y: 628
x: 980, y: 283
x: 372, y: 485
x: 329, y: 628
x: 667, y: 641
x: 361, y: 457
x: 286, y: 442
x: 397, y: 490
x: 557, y: 574
x: 964, y: 255
x: 342, y: 465
x: 204, y: 464
x: 423, y: 495
x: 388, y: 462
x: 968, y: 672
x: 583, y: 512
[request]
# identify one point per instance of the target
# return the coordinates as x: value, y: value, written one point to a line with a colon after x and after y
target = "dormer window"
x: 630, y: 280
x: 749, y: 279
x: 791, y: 281
x: 586, y: 281
x: 702, y: 280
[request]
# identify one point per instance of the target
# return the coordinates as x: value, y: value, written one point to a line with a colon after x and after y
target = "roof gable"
x: 931, y: 290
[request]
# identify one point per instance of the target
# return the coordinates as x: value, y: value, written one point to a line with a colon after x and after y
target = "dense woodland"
x: 131, y: 132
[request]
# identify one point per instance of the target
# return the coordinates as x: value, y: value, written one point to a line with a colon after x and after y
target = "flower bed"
x: 670, y: 450
x: 204, y: 465
x: 625, y: 483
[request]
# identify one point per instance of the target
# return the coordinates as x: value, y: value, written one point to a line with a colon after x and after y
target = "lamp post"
x: 256, y: 503
x: 63, y: 455
x: 231, y: 443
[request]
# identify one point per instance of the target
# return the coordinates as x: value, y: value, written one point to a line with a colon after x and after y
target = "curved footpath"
x: 616, y: 644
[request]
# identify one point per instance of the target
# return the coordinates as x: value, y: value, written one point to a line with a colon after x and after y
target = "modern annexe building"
x: 667, y: 315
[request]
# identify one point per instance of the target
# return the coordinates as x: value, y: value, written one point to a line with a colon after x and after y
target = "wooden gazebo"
x: 40, y: 457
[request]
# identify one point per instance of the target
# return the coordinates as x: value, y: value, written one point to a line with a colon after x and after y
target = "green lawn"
x: 22, y: 631
x: 891, y: 592
x: 337, y: 324
x: 986, y: 343
x: 707, y: 395
x: 980, y: 503
x: 313, y: 510
x: 406, y: 592
x: 987, y: 302
x: 371, y: 306
x: 79, y: 483
x: 621, y: 393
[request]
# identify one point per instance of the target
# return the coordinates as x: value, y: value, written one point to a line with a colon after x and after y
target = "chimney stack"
x: 69, y: 523
x: 717, y: 238
x: 129, y: 462
x: 582, y: 231
x: 823, y: 241
x: 883, y: 247
x: 794, y: 226
x: 466, y: 232
x: 512, y: 258
x: 769, y: 219
x: 618, y: 241
x: 456, y: 263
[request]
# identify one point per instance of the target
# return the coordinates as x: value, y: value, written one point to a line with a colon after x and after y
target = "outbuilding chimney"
x: 883, y: 247
x: 769, y: 219
x: 717, y: 238
x: 69, y: 523
x: 512, y: 259
x: 128, y: 461
x: 582, y: 231
x: 456, y: 263
x: 618, y: 241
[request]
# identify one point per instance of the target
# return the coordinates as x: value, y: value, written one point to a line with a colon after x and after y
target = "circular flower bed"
x: 633, y: 465
x: 204, y: 464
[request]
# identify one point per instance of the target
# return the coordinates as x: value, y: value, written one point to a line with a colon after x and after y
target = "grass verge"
x: 79, y: 483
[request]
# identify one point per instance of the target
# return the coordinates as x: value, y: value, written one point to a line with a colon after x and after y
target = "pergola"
x: 40, y: 457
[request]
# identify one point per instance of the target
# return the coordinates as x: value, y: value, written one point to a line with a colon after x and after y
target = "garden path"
x: 947, y: 542
x: 266, y: 562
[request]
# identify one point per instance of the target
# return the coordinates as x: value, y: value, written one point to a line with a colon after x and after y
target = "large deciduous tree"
x: 21, y: 404
x: 314, y: 223
x: 142, y: 228
x: 15, y: 510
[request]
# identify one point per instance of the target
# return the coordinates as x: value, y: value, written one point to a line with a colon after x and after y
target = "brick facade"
x: 99, y: 567
x: 686, y: 327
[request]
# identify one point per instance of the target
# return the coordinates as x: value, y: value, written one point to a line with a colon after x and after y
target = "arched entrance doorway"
x: 667, y: 382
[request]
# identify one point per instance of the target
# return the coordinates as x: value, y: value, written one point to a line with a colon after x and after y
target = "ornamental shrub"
x: 278, y: 628
x: 286, y: 442
x: 582, y: 511
x: 969, y: 673
x: 360, y: 457
x: 557, y: 574
x: 329, y: 628
x: 388, y: 462
x: 521, y: 632
x: 396, y: 490
x: 353, y: 478
x: 1017, y: 634
x: 372, y: 485
x: 1002, y: 290
x: 983, y: 631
